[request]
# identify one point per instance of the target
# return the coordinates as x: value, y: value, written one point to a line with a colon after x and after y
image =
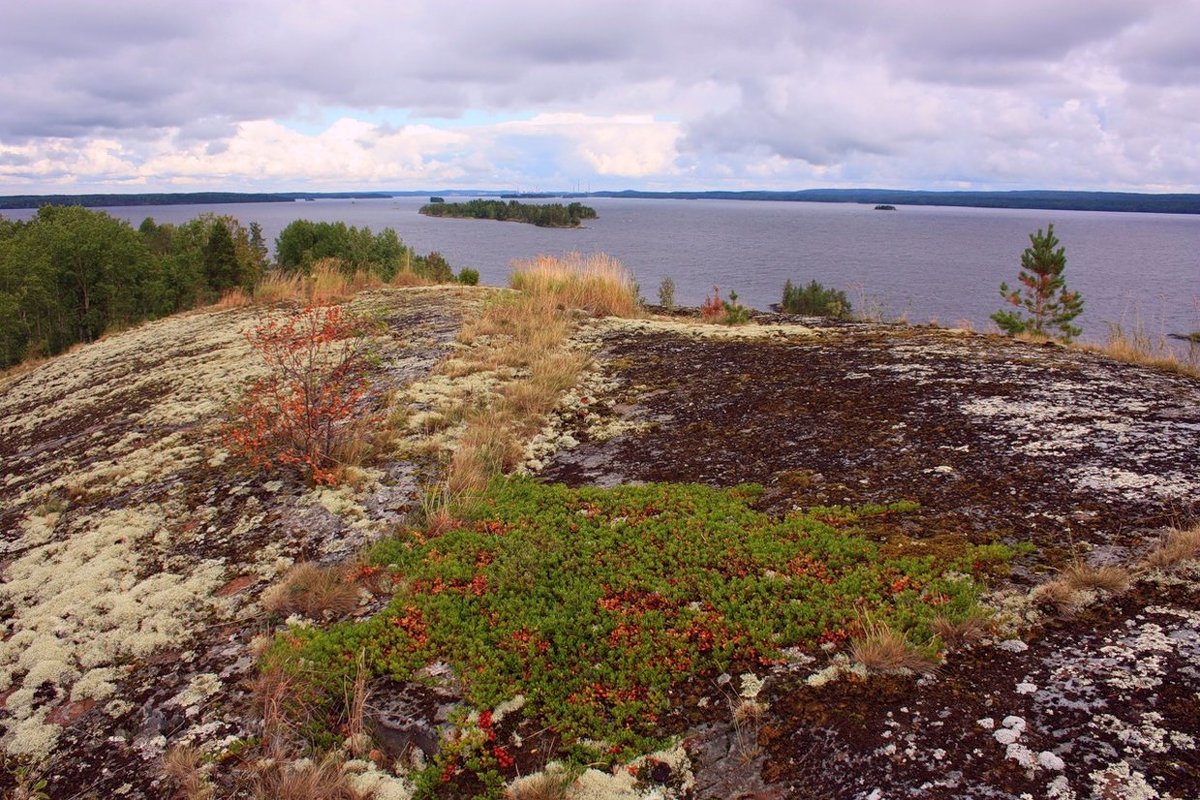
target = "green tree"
x: 221, y: 267
x: 815, y: 300
x: 1045, y: 297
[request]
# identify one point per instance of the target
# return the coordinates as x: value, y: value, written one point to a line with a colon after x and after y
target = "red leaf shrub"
x: 301, y: 414
x: 713, y: 307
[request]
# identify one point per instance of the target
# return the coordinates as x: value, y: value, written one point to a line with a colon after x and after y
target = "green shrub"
x: 468, y: 276
x: 815, y: 300
x: 666, y: 294
x: 597, y: 605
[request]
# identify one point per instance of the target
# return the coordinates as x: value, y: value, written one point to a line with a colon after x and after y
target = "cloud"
x: 922, y: 93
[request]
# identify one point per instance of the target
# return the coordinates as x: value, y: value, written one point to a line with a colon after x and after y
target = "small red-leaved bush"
x: 301, y: 414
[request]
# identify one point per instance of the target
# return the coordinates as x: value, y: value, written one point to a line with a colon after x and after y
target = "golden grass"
x: 595, y: 282
x: 276, y: 286
x: 747, y: 715
x: 1080, y: 576
x: 357, y: 740
x: 553, y: 784
x: 328, y: 282
x: 1055, y: 595
x: 882, y: 648
x: 1138, y: 346
x: 525, y: 331
x: 1073, y: 589
x: 1179, y: 547
x: 956, y: 633
x: 234, y: 298
x: 308, y: 780
x: 313, y: 591
x: 184, y: 765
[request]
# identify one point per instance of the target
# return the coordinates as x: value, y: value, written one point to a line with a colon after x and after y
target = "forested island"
x: 544, y: 215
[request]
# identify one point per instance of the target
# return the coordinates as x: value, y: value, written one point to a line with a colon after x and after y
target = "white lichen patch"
x: 79, y: 606
x: 622, y: 783
x: 698, y: 328
x: 200, y: 688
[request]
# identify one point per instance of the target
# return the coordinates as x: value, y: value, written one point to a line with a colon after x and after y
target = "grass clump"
x: 313, y: 591
x: 1136, y: 345
x: 815, y: 300
x: 325, y: 779
x: 597, y: 604
x: 882, y: 648
x: 1179, y: 547
x: 596, y: 283
x: 184, y: 767
x: 1077, y: 586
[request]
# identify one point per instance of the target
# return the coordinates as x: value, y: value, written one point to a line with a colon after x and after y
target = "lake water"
x: 922, y: 262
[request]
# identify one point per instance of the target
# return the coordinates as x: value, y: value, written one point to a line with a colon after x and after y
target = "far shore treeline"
x: 544, y: 215
x: 71, y: 274
x: 1051, y: 200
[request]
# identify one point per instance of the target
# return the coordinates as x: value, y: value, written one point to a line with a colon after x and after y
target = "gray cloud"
x: 854, y: 90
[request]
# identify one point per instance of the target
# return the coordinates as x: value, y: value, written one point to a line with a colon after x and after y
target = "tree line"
x: 70, y: 274
x: 544, y: 215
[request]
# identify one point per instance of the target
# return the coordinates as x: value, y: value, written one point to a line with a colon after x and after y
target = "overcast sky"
x: 134, y: 95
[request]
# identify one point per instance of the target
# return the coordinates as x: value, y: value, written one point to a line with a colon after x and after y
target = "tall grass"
x: 595, y: 282
x: 1136, y: 345
x: 329, y: 282
x: 528, y: 330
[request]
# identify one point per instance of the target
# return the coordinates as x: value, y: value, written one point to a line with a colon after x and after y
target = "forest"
x: 71, y: 274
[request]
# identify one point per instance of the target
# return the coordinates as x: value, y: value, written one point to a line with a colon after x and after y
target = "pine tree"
x: 1051, y: 307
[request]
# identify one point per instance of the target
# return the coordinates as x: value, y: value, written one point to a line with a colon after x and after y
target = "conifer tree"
x: 1044, y: 296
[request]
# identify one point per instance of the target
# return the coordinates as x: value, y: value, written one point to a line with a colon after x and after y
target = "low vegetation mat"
x: 596, y: 604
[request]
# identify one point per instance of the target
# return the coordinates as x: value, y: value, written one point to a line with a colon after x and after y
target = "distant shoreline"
x: 1046, y: 200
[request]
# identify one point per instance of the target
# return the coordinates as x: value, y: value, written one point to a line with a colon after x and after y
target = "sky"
x: 316, y: 95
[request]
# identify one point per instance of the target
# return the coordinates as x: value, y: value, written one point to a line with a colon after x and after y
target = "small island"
x: 544, y: 215
x: 885, y: 207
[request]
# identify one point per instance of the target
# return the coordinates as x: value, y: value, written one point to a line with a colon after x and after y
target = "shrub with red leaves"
x: 302, y: 412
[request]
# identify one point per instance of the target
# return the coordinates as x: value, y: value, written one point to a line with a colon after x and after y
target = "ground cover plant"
x: 594, y: 605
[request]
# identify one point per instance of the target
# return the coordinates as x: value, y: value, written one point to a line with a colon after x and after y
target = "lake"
x: 920, y: 262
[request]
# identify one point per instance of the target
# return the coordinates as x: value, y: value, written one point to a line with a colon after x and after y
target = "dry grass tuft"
x: 330, y: 281
x: 277, y: 286
x: 306, y: 780
x: 357, y: 740
x: 488, y: 448
x: 234, y: 298
x: 1055, y: 595
x: 312, y: 590
x: 184, y: 765
x: 595, y: 282
x: 1178, y: 547
x: 1075, y: 587
x: 1138, y: 346
x: 956, y: 633
x: 1080, y: 576
x: 881, y: 648
x: 552, y: 784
